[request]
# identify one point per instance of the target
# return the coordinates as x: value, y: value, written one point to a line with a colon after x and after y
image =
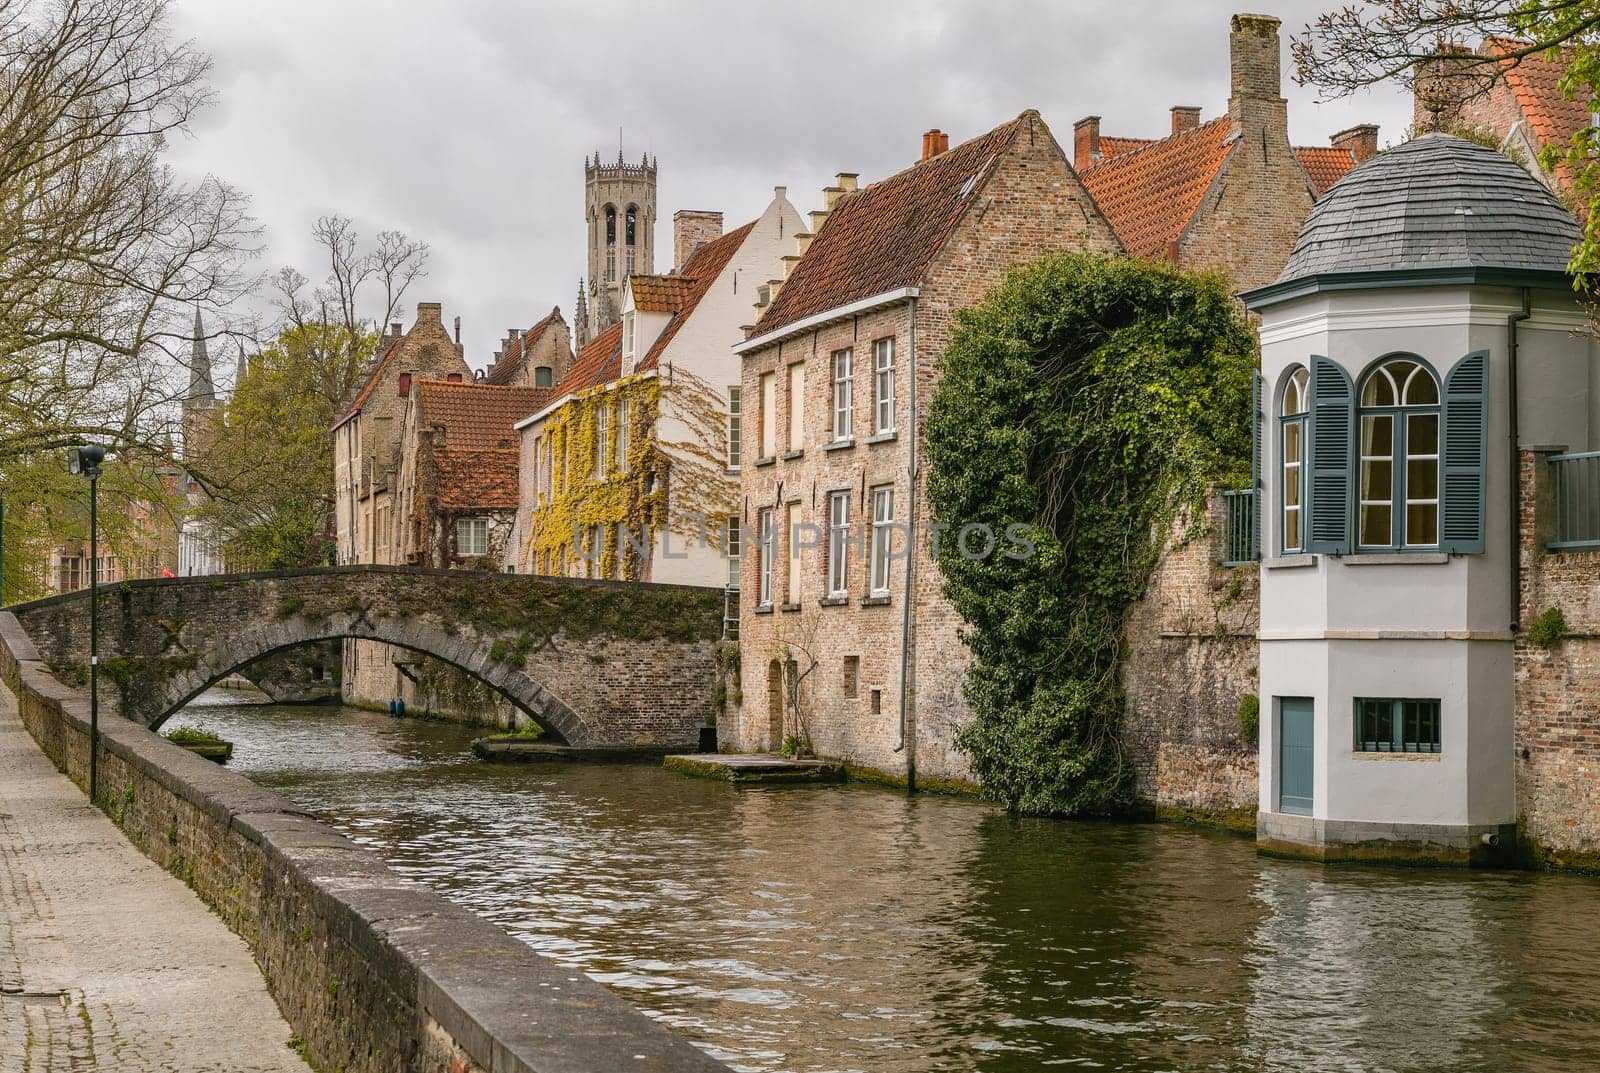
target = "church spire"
x: 202, y: 395
x: 580, y: 319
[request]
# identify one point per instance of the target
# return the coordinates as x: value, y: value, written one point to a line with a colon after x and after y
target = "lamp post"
x: 85, y: 462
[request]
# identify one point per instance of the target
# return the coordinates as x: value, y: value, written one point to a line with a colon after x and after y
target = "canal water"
x: 854, y: 928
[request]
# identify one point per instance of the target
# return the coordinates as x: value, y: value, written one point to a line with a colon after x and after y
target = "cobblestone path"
x: 106, y: 961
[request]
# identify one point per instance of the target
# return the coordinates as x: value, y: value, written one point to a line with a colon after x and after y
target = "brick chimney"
x: 692, y: 228
x: 1257, y: 97
x: 1185, y: 117
x: 430, y: 313
x: 934, y: 142
x: 1086, y: 142
x: 1360, y: 140
x: 1440, y: 85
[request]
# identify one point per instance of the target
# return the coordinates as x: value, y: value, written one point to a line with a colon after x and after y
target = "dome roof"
x: 1435, y: 202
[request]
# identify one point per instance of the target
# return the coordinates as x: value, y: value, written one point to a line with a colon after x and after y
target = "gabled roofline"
x: 827, y: 316
x: 555, y: 404
x: 1444, y: 276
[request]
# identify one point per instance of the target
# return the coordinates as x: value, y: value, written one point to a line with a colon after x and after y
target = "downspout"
x: 911, y: 557
x: 1513, y: 451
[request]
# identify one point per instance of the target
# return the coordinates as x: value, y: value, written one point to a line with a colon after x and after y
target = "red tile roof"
x: 509, y: 365
x: 885, y: 236
x: 1325, y: 165
x: 1536, y: 81
x: 476, y: 416
x: 701, y: 270
x: 1112, y: 146
x: 598, y: 363
x: 659, y: 294
x: 1150, y: 195
x: 477, y: 480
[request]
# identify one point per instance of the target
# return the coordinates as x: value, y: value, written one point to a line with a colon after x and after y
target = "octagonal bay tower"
x: 1425, y: 297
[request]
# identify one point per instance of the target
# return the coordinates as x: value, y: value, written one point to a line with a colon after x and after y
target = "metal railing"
x: 1238, y: 527
x: 1576, y: 479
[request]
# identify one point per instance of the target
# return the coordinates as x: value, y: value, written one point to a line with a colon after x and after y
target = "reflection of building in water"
x: 1361, y: 971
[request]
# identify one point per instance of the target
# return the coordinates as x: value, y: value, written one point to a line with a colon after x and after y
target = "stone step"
x: 747, y: 769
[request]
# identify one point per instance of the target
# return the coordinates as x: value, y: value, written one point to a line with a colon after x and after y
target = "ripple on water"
x: 849, y: 928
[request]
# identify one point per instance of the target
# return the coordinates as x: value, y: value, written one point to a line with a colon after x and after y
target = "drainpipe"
x: 1513, y: 451
x: 911, y: 558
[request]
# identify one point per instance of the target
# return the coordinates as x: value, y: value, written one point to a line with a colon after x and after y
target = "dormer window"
x: 628, y: 357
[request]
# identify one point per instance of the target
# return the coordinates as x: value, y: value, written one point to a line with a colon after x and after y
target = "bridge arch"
x: 217, y: 661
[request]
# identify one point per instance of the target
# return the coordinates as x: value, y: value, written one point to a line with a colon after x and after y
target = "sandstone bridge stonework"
x: 595, y: 663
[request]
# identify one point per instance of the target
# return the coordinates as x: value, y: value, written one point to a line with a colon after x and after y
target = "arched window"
x: 611, y: 225
x: 1292, y: 410
x: 543, y: 376
x: 1399, y: 444
x: 633, y: 216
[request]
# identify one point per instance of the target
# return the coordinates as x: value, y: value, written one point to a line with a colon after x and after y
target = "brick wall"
x: 1191, y: 655
x: 1557, y: 688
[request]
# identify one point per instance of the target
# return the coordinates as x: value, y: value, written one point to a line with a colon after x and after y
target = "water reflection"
x: 846, y: 928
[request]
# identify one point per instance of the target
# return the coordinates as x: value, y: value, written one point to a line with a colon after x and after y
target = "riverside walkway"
x: 106, y: 961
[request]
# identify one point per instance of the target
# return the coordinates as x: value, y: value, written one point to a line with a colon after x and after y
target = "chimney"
x: 1086, y: 142
x: 1184, y: 117
x: 430, y: 313
x: 934, y: 142
x: 1257, y: 100
x: 692, y: 228
x: 458, y: 331
x: 1440, y: 85
x: 1360, y: 140
x: 394, y: 326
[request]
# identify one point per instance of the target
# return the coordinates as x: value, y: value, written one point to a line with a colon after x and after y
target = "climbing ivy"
x: 1088, y: 399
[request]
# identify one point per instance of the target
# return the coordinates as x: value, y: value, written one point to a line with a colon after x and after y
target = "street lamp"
x: 85, y: 462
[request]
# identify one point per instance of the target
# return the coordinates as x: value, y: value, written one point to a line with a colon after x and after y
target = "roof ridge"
x: 1153, y: 143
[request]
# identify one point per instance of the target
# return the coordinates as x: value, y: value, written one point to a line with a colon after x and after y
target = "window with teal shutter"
x: 1466, y: 453
x: 1332, y: 437
x: 1257, y: 487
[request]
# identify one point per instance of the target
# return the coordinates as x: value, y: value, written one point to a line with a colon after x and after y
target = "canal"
x: 854, y: 928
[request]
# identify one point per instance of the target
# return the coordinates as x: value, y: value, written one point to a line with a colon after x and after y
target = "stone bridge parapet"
x: 596, y: 663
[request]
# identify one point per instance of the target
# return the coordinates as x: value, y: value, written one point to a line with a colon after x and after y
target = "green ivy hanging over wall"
x: 1091, y: 399
x: 670, y: 472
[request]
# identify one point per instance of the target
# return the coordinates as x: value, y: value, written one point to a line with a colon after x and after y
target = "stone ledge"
x: 1397, y: 558
x: 1289, y: 562
x: 1281, y: 834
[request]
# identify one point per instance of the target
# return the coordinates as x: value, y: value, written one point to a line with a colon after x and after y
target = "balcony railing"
x: 1576, y: 479
x: 1239, y: 527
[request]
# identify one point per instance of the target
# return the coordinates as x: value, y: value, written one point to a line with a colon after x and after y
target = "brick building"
x: 1225, y: 195
x: 1518, y: 100
x: 841, y: 645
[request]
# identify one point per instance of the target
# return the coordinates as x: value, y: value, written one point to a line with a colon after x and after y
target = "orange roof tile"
x: 659, y: 294
x: 1150, y: 195
x: 1111, y: 146
x: 702, y: 268
x: 509, y: 365
x: 477, y: 479
x: 476, y: 416
x: 1536, y: 81
x: 1325, y: 164
x: 885, y: 236
x: 598, y: 363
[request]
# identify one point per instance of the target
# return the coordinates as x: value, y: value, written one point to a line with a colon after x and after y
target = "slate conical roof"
x: 1435, y: 202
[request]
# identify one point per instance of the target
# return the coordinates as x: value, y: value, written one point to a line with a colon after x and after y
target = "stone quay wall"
x: 1191, y: 656
x: 1557, y: 688
x: 373, y: 972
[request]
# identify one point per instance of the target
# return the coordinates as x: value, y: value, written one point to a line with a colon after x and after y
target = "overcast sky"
x: 466, y: 124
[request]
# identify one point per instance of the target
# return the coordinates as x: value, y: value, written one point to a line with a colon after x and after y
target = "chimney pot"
x: 1361, y: 141
x: 394, y: 327
x: 934, y: 142
x: 458, y: 331
x: 1185, y: 117
x: 1086, y: 142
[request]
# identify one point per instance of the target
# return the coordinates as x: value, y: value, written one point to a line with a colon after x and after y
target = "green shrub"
x: 290, y: 607
x: 192, y: 736
x: 1082, y: 405
x: 1548, y: 629
x: 792, y: 746
x: 1250, y: 719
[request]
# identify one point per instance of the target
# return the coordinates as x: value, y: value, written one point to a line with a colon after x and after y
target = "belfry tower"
x: 620, y: 210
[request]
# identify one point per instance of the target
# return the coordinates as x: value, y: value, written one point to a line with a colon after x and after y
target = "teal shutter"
x: 1258, y: 487
x: 1332, y: 470
x: 1466, y: 454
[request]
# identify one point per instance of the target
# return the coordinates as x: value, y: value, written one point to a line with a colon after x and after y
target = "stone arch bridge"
x: 596, y: 663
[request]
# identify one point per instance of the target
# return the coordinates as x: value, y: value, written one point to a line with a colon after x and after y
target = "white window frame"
x: 472, y: 537
x: 882, y: 538
x: 1294, y: 410
x: 602, y: 439
x: 764, y: 529
x: 838, y: 543
x: 843, y: 394
x: 628, y: 337
x: 883, y: 385
x: 735, y: 426
x: 731, y: 547
x: 622, y: 434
